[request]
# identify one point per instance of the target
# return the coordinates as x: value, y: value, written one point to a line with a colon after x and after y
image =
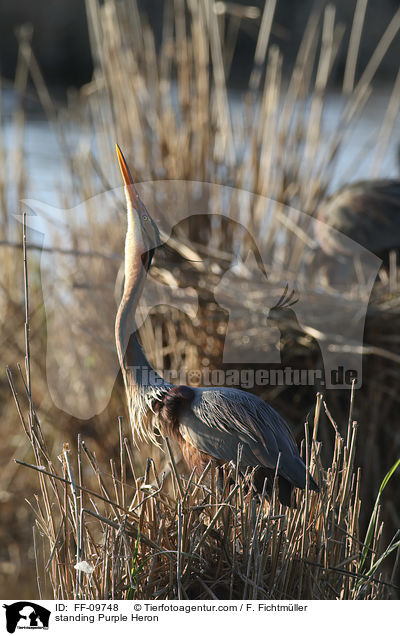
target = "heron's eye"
x: 144, y: 217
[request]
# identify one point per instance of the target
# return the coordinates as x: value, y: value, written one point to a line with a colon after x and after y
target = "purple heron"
x: 207, y: 423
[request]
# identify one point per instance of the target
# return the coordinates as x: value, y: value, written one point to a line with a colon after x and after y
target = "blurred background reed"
x: 170, y: 86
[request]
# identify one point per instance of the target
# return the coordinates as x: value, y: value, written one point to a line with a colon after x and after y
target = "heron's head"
x: 142, y: 235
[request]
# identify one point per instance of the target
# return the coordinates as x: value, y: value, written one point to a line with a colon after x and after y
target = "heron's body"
x: 206, y: 422
x: 214, y: 420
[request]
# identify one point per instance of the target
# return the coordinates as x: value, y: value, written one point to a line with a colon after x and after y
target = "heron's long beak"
x: 126, y: 173
x: 127, y: 177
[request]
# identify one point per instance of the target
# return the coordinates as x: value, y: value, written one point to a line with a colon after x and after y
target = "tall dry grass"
x: 170, y: 109
x: 108, y: 532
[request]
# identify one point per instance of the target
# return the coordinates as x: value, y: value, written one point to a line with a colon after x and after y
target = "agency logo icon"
x: 26, y: 615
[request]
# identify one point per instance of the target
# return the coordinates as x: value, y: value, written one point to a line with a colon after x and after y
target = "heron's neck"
x: 134, y: 363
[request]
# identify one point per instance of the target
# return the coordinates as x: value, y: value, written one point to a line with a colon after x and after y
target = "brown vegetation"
x: 171, y: 111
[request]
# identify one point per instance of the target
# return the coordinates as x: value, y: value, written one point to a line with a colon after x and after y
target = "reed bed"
x: 110, y: 532
x: 141, y: 534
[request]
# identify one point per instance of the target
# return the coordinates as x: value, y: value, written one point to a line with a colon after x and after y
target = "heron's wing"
x: 219, y: 419
x: 214, y: 441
